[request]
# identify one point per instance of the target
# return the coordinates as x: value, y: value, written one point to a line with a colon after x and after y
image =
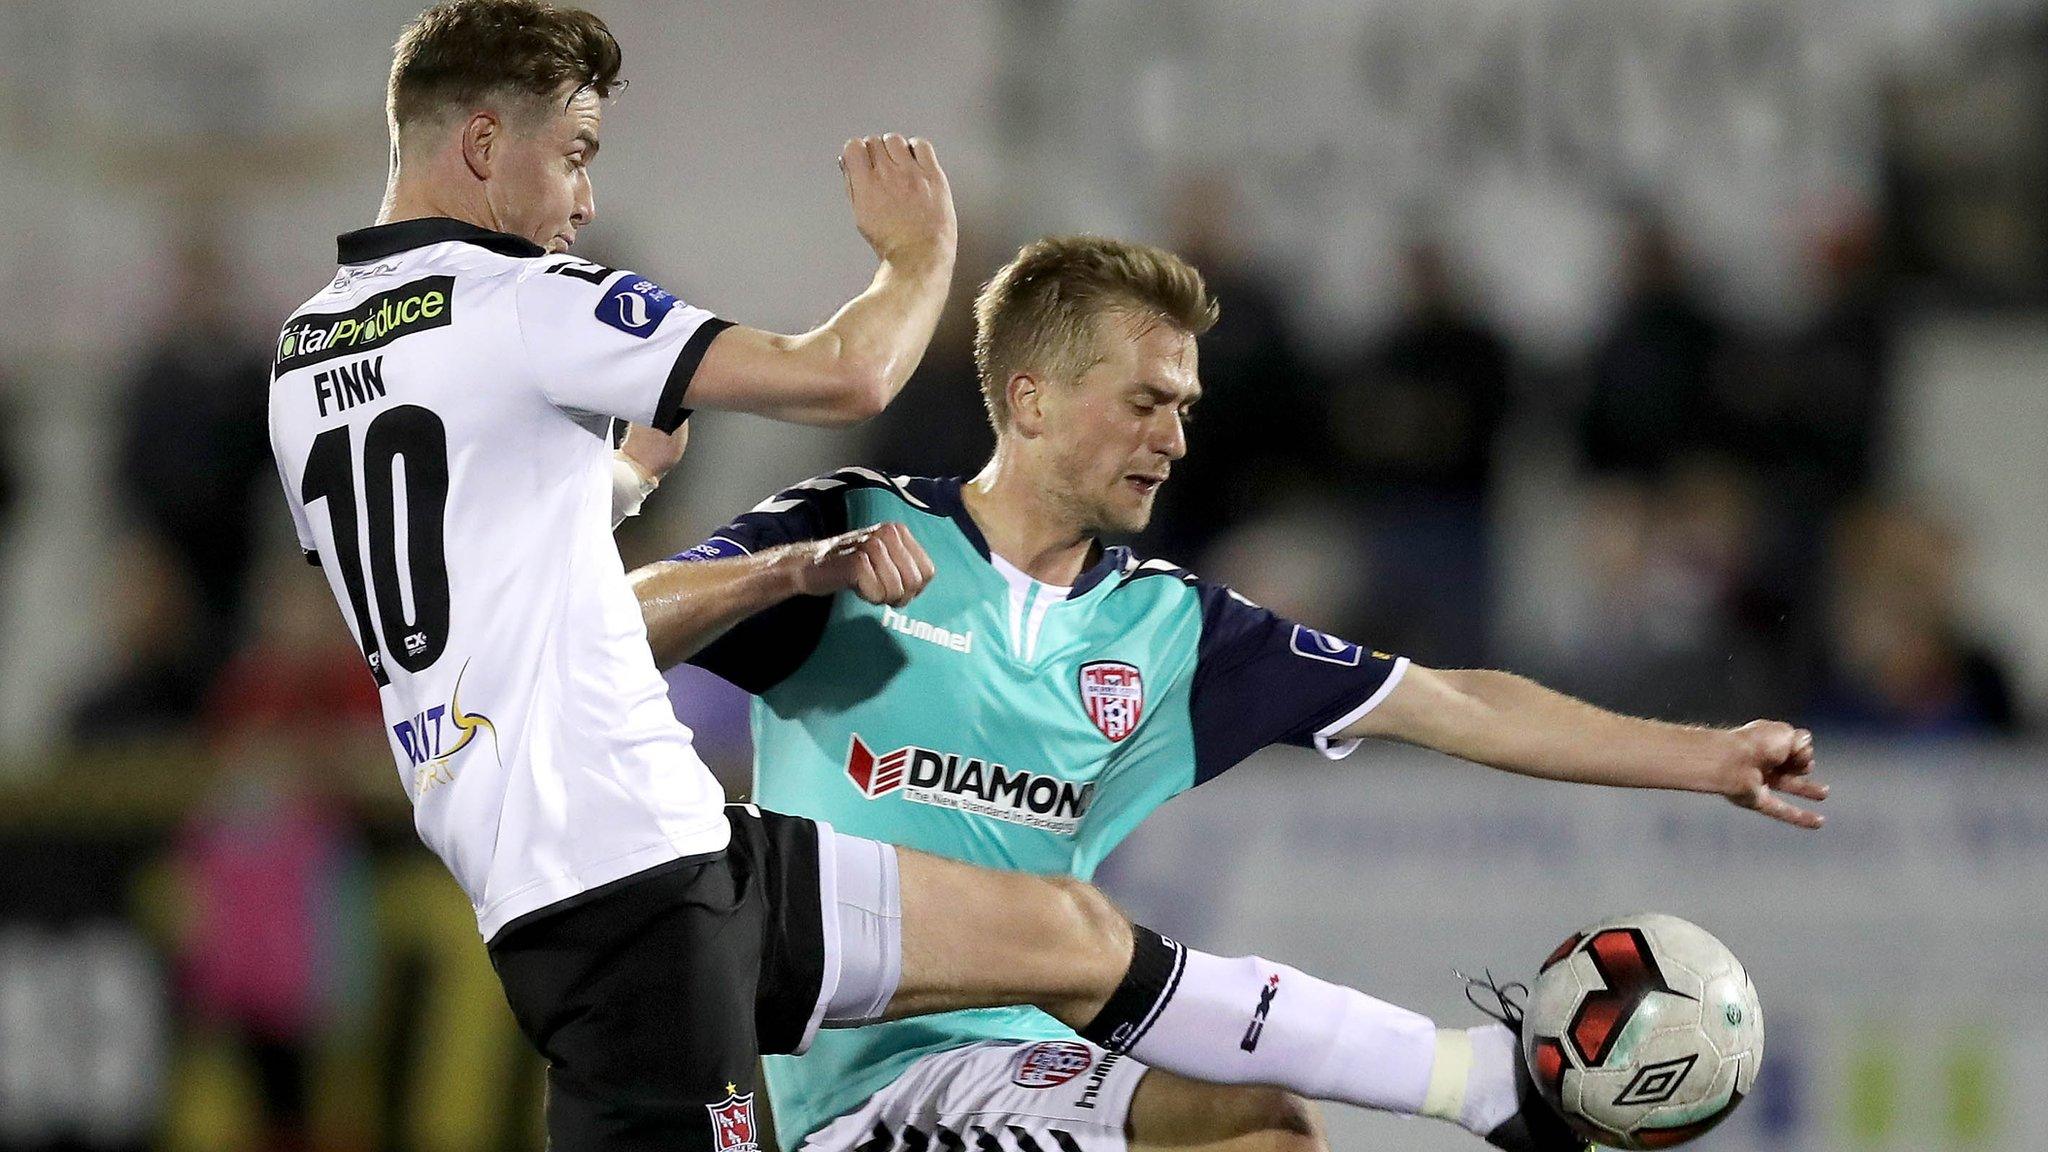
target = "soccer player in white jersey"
x: 1037, y: 698
x: 439, y: 415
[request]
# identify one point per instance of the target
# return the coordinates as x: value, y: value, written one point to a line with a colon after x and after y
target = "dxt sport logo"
x: 1257, y: 1028
x: 428, y: 744
x: 416, y: 307
x: 969, y: 784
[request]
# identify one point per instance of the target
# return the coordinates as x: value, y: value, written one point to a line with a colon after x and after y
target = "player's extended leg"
x: 976, y: 938
x: 957, y: 936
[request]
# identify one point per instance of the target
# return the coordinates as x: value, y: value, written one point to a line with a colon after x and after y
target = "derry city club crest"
x: 1114, y: 694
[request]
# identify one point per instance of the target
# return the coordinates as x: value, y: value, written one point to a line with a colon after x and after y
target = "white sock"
x: 1247, y: 1020
x: 1472, y: 1080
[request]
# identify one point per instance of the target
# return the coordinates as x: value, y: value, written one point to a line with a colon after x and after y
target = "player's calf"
x: 1174, y: 1114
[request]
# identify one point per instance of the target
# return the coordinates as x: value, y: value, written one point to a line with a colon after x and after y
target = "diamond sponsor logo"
x: 969, y: 784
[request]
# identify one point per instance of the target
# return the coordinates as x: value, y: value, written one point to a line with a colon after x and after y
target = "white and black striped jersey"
x: 439, y: 416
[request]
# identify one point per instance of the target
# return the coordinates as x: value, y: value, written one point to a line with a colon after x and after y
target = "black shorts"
x: 653, y: 997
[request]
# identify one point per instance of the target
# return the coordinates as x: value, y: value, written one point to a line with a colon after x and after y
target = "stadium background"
x: 1687, y: 354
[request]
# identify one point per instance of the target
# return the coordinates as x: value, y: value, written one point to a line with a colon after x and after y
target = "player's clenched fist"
x: 882, y: 564
x: 654, y: 453
x: 901, y: 201
x: 1774, y: 760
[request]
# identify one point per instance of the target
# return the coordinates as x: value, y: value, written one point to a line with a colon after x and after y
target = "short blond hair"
x: 1039, y: 313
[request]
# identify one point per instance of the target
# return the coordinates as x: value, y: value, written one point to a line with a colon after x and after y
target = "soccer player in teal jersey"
x: 961, y: 667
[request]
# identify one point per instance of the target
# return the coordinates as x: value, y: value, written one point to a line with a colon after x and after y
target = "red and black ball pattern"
x: 1629, y: 970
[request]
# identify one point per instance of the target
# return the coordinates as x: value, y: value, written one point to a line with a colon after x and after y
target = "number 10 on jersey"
x: 415, y: 436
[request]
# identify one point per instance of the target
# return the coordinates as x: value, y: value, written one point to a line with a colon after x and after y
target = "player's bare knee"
x: 1101, y: 933
x: 1091, y: 939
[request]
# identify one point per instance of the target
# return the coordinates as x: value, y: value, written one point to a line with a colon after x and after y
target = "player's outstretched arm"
x: 688, y: 604
x: 848, y: 369
x: 1513, y: 723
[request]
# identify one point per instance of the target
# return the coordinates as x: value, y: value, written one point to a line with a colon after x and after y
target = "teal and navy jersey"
x: 1002, y: 721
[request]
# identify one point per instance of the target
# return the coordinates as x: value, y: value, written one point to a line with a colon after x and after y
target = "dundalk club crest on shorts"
x: 732, y: 1122
x: 1113, y: 692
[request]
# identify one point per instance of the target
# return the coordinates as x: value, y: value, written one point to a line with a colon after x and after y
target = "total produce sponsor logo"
x: 969, y: 784
x: 416, y: 307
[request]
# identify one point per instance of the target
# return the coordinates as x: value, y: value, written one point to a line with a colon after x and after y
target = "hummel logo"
x: 929, y: 633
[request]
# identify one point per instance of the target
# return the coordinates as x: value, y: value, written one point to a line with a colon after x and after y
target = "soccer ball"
x: 1643, y: 1031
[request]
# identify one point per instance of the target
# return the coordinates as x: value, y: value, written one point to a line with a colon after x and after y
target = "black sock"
x: 1156, y: 964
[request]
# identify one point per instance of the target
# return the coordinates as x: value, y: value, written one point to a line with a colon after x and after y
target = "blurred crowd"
x: 1741, y: 548
x: 218, y: 650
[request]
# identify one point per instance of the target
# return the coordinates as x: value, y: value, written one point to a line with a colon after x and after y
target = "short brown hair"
x: 458, y: 52
x: 1038, y: 313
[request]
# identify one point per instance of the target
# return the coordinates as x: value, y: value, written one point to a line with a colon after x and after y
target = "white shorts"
x: 997, y: 1096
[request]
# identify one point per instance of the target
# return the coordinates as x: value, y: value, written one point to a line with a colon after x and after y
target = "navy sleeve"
x: 768, y: 647
x: 1262, y: 679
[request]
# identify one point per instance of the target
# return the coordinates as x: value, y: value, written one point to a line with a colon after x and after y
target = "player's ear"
x: 1027, y: 404
x: 482, y: 137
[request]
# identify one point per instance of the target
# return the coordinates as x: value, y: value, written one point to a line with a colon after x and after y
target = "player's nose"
x: 1174, y: 444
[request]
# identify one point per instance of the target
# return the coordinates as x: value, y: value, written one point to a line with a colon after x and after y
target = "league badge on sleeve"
x: 1113, y: 692
x: 635, y: 306
x: 732, y: 1122
x: 716, y: 548
x: 1325, y: 647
